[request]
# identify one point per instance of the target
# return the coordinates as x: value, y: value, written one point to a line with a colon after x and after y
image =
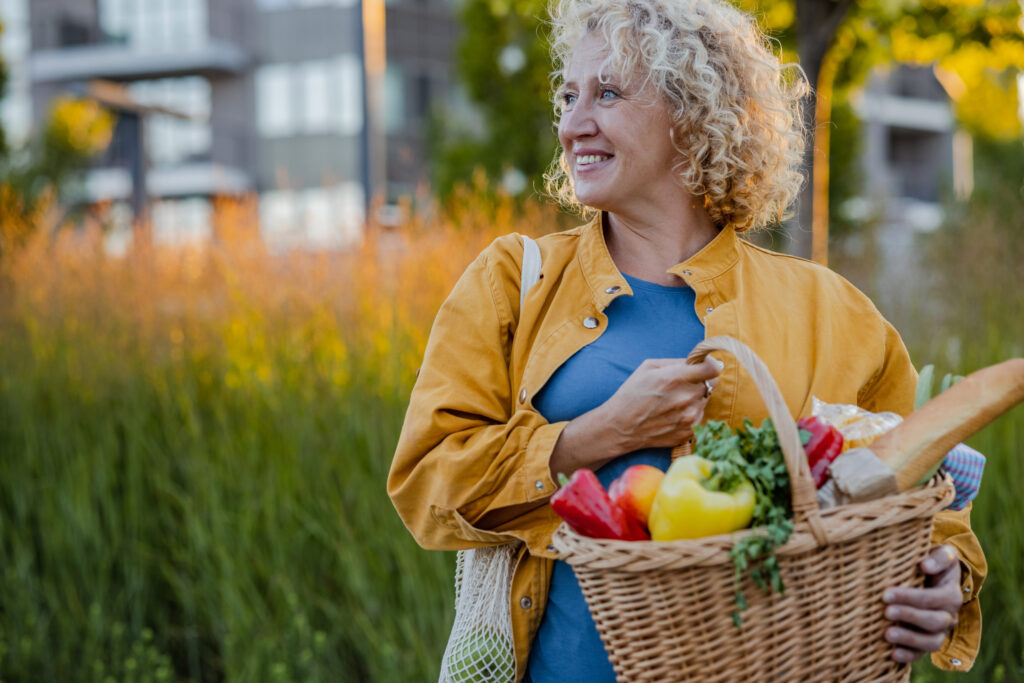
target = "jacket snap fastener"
x: 526, y: 603
x: 522, y: 395
x: 590, y: 323
x: 709, y: 309
x: 954, y: 661
x: 612, y: 289
x: 686, y: 272
x: 539, y: 484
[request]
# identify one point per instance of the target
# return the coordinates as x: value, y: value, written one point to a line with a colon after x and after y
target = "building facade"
x: 239, y: 96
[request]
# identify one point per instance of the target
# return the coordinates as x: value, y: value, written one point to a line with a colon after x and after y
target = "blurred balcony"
x: 124, y: 63
x: 70, y: 49
x: 200, y: 169
x: 195, y: 179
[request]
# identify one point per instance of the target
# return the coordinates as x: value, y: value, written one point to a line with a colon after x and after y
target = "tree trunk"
x: 816, y: 22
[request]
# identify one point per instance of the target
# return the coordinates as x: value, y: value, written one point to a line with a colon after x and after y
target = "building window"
x: 350, y: 92
x: 16, y: 106
x: 394, y: 98
x: 316, y: 90
x: 278, y: 216
x: 171, y: 140
x: 270, y: 5
x: 14, y: 40
x: 321, y: 96
x: 155, y: 25
x: 275, y: 101
x: 423, y: 96
x: 181, y: 221
x: 319, y: 217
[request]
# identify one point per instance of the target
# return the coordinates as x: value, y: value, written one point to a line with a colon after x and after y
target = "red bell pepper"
x: 822, y: 447
x: 583, y: 503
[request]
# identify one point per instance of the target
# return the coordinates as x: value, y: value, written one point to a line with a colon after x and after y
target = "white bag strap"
x: 531, y: 268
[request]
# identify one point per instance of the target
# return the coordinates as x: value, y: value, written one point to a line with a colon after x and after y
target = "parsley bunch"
x: 753, y: 453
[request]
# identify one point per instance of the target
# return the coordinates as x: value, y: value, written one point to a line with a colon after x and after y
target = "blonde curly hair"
x: 736, y: 116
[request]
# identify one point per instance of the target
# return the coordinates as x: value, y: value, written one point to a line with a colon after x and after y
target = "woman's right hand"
x: 657, y: 406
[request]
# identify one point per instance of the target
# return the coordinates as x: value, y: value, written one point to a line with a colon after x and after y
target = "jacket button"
x: 522, y: 395
x: 686, y: 272
x: 551, y: 549
x: 526, y: 603
x: 612, y: 289
x: 954, y: 661
x: 539, y: 484
x: 590, y: 323
x: 709, y: 309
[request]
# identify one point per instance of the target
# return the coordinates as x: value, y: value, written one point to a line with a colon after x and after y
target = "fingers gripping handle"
x: 805, y: 502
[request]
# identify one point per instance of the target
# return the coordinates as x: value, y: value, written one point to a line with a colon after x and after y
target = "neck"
x: 645, y: 244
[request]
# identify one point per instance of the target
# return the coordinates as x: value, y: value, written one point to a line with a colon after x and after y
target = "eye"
x: 568, y: 99
x: 608, y: 93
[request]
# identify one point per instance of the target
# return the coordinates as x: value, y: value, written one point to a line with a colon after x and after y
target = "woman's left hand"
x: 925, y: 616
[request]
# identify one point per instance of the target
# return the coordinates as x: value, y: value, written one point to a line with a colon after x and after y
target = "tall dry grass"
x: 195, y: 443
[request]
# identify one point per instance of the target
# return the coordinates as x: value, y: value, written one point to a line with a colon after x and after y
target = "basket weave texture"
x: 664, y: 609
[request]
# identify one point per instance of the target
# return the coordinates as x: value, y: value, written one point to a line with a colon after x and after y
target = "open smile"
x: 592, y: 162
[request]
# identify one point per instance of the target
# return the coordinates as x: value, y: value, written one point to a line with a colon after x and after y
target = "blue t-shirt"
x: 656, y: 322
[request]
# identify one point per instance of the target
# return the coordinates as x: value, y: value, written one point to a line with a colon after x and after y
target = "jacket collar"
x: 716, y: 257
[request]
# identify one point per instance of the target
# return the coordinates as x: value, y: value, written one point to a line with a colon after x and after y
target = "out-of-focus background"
x: 226, y: 225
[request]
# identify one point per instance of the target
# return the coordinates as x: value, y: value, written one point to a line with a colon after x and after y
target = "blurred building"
x: 271, y: 96
x: 913, y: 153
x: 914, y: 156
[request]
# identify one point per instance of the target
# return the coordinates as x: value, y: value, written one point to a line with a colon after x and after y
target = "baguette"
x: 918, y: 444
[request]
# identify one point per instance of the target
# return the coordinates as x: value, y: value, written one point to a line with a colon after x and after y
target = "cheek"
x: 565, y: 143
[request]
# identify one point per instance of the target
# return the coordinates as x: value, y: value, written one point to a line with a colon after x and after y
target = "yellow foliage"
x: 909, y: 47
x: 83, y: 124
x: 989, y: 100
x: 771, y: 16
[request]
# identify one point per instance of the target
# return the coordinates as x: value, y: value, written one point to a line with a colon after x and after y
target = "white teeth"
x: 590, y: 159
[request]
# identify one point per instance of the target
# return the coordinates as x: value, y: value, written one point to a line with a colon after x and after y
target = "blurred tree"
x: 504, y: 66
x: 976, y: 45
x: 33, y: 174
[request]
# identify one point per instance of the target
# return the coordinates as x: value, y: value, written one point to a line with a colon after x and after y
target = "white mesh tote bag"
x: 480, y: 645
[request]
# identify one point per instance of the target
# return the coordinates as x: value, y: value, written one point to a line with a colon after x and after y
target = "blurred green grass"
x: 194, y: 447
x: 246, y: 529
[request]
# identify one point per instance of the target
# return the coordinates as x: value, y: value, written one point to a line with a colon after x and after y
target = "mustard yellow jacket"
x: 471, y: 466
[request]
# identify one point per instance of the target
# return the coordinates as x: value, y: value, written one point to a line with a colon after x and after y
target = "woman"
x: 678, y: 131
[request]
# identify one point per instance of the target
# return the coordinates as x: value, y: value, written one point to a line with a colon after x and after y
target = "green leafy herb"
x: 754, y: 453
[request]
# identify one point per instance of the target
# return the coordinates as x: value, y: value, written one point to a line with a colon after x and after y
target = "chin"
x: 595, y: 198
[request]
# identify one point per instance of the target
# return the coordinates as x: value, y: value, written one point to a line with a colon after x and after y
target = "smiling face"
x: 614, y: 134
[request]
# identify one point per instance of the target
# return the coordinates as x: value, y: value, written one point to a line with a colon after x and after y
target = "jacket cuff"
x: 535, y: 474
x: 961, y: 647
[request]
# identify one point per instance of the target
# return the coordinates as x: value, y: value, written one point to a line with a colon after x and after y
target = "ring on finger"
x: 707, y: 388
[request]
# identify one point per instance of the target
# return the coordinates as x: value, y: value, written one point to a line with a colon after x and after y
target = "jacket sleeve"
x: 471, y: 465
x: 893, y: 388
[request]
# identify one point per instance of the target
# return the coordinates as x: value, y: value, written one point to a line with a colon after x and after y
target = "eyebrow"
x: 615, y: 81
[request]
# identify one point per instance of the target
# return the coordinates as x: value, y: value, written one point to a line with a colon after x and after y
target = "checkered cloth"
x: 964, y: 465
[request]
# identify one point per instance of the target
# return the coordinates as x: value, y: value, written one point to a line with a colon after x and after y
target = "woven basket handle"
x: 805, y: 498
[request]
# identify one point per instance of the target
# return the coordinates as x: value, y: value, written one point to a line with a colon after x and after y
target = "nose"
x: 577, y: 122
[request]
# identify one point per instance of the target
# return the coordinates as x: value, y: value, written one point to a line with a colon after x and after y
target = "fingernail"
x: 717, y: 362
x: 888, y: 596
x: 929, y: 565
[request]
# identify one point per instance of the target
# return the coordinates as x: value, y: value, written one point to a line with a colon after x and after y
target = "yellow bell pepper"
x: 685, y: 508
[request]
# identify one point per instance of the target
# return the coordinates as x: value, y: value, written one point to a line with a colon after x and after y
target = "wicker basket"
x: 663, y: 609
